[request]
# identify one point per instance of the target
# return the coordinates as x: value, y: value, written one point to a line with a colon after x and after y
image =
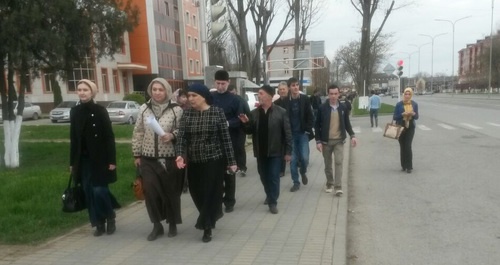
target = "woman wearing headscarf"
x: 405, y: 114
x: 154, y: 154
x: 204, y: 142
x: 93, y: 157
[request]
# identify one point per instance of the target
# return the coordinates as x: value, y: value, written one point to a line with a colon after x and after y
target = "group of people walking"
x: 203, y: 144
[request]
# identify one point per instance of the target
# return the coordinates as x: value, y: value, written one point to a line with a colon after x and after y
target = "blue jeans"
x: 374, y: 116
x: 269, y: 171
x: 300, y: 154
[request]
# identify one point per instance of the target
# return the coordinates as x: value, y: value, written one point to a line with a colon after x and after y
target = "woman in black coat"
x: 93, y: 157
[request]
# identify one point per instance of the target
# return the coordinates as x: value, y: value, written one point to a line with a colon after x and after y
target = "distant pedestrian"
x: 93, y: 157
x: 299, y: 111
x: 405, y: 114
x: 374, y: 106
x: 316, y: 101
x: 240, y: 152
x: 272, y: 142
x: 232, y: 108
x: 204, y: 143
x: 154, y: 155
x: 331, y: 126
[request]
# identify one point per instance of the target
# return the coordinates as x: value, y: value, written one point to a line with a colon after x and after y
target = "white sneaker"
x: 328, y: 189
x: 339, y: 192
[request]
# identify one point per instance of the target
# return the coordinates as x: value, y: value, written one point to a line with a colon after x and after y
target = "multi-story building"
x: 281, y: 62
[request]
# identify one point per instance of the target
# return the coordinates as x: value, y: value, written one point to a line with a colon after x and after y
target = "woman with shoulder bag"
x: 154, y: 153
x: 405, y: 114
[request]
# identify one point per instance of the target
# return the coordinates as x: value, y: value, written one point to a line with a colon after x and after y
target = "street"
x: 447, y: 210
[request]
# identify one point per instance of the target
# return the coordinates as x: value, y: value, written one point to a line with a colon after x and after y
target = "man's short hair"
x: 222, y: 75
x: 282, y: 83
x: 333, y: 86
x: 292, y: 80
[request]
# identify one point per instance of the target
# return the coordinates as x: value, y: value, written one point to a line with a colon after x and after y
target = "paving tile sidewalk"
x: 310, y: 228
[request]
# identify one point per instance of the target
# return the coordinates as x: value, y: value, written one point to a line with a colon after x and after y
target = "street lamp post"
x: 432, y: 55
x: 453, y: 49
x: 491, y: 46
x: 419, y: 46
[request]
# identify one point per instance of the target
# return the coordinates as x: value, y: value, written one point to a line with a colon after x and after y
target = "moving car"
x: 252, y: 99
x: 30, y: 111
x: 61, y: 112
x: 123, y: 111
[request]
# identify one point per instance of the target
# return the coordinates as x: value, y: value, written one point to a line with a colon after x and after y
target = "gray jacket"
x: 279, y: 133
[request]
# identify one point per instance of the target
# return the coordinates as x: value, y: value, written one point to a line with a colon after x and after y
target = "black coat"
x: 306, y: 115
x: 91, y: 132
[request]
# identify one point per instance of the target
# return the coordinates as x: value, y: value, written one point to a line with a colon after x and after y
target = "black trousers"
x: 238, y: 139
x: 405, y: 141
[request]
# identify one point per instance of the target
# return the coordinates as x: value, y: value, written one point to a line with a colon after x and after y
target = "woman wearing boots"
x: 205, y: 144
x: 154, y: 154
x: 93, y: 157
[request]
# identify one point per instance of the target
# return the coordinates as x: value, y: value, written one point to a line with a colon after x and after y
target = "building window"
x: 84, y: 71
x: 48, y: 81
x: 176, y: 12
x: 195, y: 44
x: 167, y: 11
x: 285, y: 60
x: 197, y: 66
x: 116, y: 81
x: 287, y: 71
x: 190, y: 46
x: 191, y: 66
x: 105, y: 80
x: 285, y: 50
x: 26, y: 82
x: 187, y: 19
x: 125, y: 84
x: 195, y: 22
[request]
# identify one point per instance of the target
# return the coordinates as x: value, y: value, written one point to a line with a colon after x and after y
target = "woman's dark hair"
x: 182, y: 92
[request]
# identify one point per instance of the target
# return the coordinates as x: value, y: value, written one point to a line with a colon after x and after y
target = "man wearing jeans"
x: 330, y: 127
x: 301, y: 118
x: 374, y: 105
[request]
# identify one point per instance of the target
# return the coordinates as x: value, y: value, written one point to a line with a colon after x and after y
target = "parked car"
x: 394, y: 94
x: 30, y: 111
x: 252, y: 99
x: 61, y: 112
x: 123, y: 111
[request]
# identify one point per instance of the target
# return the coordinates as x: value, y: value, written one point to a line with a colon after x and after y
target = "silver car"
x: 30, y: 111
x: 61, y: 112
x: 123, y: 111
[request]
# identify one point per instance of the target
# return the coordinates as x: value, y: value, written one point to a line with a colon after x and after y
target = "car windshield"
x: 67, y: 104
x: 117, y: 105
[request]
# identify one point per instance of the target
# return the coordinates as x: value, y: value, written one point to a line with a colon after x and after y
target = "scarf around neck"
x: 408, y: 106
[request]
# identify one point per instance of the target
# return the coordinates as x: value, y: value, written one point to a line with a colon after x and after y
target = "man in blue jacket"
x: 330, y: 128
x: 232, y: 109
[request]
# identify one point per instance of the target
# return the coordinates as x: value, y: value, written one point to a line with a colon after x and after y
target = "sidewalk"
x: 310, y: 228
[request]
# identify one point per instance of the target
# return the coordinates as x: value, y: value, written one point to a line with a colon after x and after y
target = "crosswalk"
x: 436, y: 126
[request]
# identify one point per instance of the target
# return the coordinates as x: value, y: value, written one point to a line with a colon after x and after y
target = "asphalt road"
x: 448, y: 210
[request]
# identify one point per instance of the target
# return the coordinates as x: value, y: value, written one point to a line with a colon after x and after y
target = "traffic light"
x: 217, y: 10
x: 400, y: 68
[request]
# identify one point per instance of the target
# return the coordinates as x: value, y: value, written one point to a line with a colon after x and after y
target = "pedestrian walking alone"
x: 374, y: 106
x: 154, y: 155
x: 93, y: 157
x: 405, y: 114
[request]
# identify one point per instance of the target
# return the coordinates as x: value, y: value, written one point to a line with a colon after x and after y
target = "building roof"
x: 288, y: 42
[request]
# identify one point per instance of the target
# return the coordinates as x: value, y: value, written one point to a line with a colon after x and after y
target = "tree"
x: 55, y: 36
x: 348, y: 55
x: 495, y: 62
x: 367, y: 9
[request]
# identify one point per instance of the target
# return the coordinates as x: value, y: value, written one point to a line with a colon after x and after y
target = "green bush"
x: 135, y: 97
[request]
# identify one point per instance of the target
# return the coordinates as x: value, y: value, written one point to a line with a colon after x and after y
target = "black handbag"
x: 73, y: 198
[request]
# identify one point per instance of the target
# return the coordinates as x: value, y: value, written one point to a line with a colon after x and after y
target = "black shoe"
x: 403, y: 169
x: 229, y: 209
x: 282, y: 174
x: 408, y: 171
x: 295, y: 188
x: 172, y: 230
x: 207, y: 235
x: 266, y: 202
x: 157, y: 231
x: 273, y: 209
x: 111, y: 226
x: 304, y: 179
x: 100, y: 230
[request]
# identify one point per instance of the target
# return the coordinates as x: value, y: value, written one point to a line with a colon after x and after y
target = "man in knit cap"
x: 272, y: 142
x: 232, y: 109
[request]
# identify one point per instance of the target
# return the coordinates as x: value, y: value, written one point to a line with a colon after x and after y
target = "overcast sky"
x: 340, y: 24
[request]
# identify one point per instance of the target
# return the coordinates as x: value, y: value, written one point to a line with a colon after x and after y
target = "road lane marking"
x: 423, y: 127
x: 446, y: 126
x: 471, y: 126
x: 493, y: 124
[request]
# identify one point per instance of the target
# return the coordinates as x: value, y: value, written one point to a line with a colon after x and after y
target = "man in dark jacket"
x: 301, y: 118
x: 272, y: 142
x: 330, y: 127
x: 232, y: 109
x: 239, y: 147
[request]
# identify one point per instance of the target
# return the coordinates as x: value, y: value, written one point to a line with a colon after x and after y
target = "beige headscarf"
x: 408, y: 106
x: 92, y: 85
x: 159, y: 107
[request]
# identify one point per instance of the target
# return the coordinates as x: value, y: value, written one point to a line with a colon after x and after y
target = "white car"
x: 61, y: 112
x: 30, y: 111
x: 252, y: 99
x: 123, y: 111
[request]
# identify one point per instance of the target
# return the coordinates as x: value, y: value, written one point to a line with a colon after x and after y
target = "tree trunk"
x: 364, y: 55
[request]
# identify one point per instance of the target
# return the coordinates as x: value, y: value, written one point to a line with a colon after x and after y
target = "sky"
x: 340, y: 23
